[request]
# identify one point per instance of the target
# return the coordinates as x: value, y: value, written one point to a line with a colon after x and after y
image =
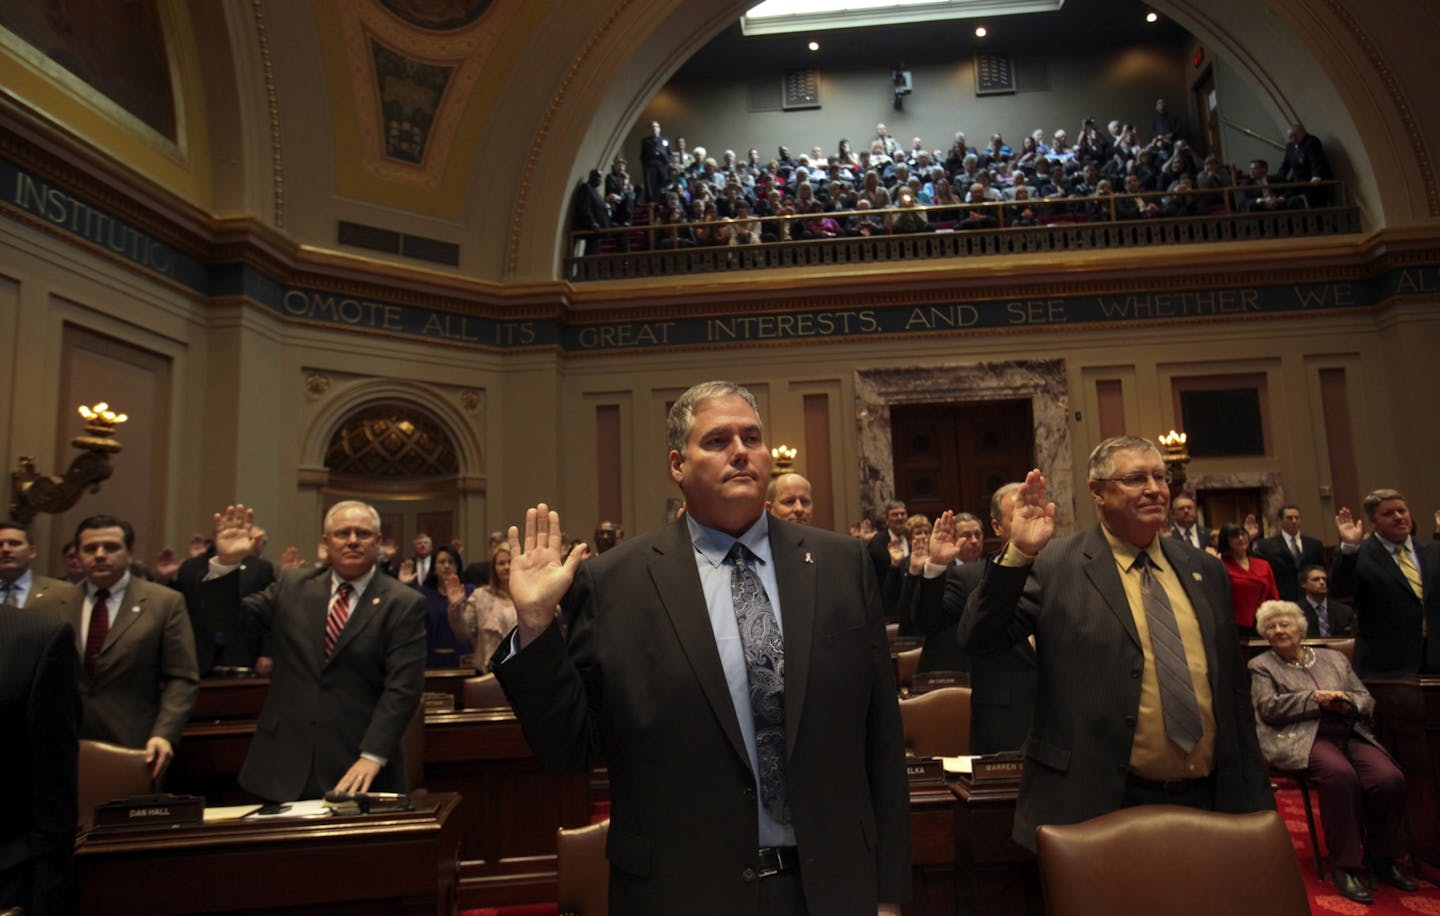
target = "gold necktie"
x: 1412, y: 575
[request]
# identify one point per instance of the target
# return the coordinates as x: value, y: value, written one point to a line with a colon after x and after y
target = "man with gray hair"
x: 1393, y: 579
x: 349, y: 650
x: 1142, y: 697
x: 731, y: 668
x: 789, y: 497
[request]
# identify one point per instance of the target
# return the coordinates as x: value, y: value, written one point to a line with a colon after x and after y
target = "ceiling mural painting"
x: 414, y: 65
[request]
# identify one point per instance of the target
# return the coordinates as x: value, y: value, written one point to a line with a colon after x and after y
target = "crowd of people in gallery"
x: 1020, y: 624
x: 694, y: 196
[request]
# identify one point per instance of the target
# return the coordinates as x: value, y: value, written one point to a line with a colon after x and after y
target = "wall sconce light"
x: 33, y: 493
x: 1177, y: 457
x: 782, y: 459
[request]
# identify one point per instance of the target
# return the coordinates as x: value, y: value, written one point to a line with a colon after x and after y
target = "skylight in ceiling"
x: 774, y: 17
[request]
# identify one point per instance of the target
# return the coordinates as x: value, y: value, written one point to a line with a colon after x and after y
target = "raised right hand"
x: 944, y: 548
x: 540, y: 572
x: 1032, y: 524
x: 232, y: 534
x: 1352, y: 530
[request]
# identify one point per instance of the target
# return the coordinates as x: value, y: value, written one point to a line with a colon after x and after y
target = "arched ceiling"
x: 465, y: 122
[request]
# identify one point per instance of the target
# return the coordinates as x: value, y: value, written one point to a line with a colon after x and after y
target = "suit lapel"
x: 126, y: 614
x: 314, y: 605
x: 796, y: 581
x: 678, y: 584
x: 1100, y: 570
x: 1382, y: 553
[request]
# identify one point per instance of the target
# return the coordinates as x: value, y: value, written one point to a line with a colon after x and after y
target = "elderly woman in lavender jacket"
x: 1313, y: 714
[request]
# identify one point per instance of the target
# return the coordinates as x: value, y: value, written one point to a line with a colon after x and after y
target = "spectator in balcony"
x: 745, y: 230
x: 817, y: 158
x: 654, y: 161
x: 1182, y: 199
x: 977, y: 217
x: 1147, y: 169
x: 783, y: 158
x: 900, y: 177
x: 620, y: 193
x: 818, y: 224
x: 864, y: 223
x: 675, y: 231
x: 696, y: 168
x: 945, y: 200
x: 955, y: 158
x: 1060, y: 150
x: 844, y: 157
x: 805, y: 197
x: 1164, y: 124
x: 1216, y: 178
x: 681, y: 155
x: 1135, y: 207
x: 887, y: 142
x: 873, y: 192
x: 1043, y: 185
x: 1305, y: 161
x: 1029, y: 153
x: 1100, y: 207
x: 1022, y: 212
x: 1038, y: 134
x: 910, y: 217
x: 880, y: 160
x: 997, y: 152
x: 1085, y: 183
x: 917, y: 150
x: 752, y: 159
x: 591, y: 214
x: 1258, y: 196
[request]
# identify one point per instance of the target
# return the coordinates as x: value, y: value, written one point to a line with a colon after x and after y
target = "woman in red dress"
x: 1252, y: 581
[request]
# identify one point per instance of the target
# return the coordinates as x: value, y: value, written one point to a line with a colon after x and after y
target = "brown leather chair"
x: 483, y: 692
x: 108, y: 772
x: 583, y: 882
x: 937, y: 724
x: 1172, y: 860
x: 905, y: 664
x: 1345, y: 647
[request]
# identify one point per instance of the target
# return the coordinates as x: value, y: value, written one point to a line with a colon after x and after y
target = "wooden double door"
x: 954, y: 456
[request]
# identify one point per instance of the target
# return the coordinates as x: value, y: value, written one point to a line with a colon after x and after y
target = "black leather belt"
x: 776, y: 860
x: 1170, y: 786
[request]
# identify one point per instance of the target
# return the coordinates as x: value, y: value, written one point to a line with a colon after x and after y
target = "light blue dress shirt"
x: 711, y: 547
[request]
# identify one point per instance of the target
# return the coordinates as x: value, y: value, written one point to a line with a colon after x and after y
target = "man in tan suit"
x: 138, y: 677
x: 19, y: 586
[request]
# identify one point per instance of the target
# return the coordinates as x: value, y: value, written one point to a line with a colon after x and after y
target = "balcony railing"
x: 1053, y: 225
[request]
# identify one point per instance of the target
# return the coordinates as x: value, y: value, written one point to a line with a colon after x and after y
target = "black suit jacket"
x: 39, y: 716
x: 320, y: 713
x: 1275, y: 551
x: 1342, y: 617
x: 1090, y: 665
x: 1002, y: 683
x: 641, y: 682
x: 1388, y: 640
x: 221, y: 639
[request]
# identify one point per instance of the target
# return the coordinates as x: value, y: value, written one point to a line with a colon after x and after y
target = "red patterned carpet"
x: 1324, y: 900
x: 1389, y: 901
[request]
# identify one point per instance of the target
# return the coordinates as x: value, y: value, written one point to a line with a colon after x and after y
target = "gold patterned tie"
x: 1412, y: 575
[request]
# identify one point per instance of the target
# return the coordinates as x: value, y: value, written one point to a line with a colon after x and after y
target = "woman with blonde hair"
x: 489, y: 613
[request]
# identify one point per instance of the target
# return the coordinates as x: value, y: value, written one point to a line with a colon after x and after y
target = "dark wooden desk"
x: 932, y: 851
x: 995, y: 875
x: 401, y: 863
x: 507, y: 822
x: 1407, y: 717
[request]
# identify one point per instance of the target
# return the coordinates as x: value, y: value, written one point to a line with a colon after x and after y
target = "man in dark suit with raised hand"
x: 1393, y: 579
x: 1142, y: 697
x: 1288, y: 552
x: 39, y: 712
x: 732, y: 668
x: 349, y: 650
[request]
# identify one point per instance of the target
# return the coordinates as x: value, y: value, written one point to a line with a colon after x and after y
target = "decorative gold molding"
x: 1397, y: 98
x: 272, y: 101
x: 532, y: 160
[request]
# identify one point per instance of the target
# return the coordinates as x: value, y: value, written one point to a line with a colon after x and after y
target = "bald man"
x: 788, y: 497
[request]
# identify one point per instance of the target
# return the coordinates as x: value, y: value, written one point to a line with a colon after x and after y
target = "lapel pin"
x: 808, y: 558
x: 374, y: 600
x: 135, y: 609
x: 1198, y: 577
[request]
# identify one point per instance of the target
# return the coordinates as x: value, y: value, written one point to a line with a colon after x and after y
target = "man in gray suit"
x: 349, y: 650
x: 19, y: 586
x: 1142, y: 697
x: 138, y: 678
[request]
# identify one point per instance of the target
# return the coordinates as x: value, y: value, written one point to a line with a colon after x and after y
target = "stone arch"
x: 443, y: 406
x: 1310, y: 60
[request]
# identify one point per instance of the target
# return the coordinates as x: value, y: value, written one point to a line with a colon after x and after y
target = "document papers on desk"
x: 306, y: 807
x: 957, y: 766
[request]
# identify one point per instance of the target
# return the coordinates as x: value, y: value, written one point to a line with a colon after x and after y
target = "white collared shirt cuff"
x: 1348, y: 548
x: 933, y: 570
x: 373, y: 758
x: 218, y: 569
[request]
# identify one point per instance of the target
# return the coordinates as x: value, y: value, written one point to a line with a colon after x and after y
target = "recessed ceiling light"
x: 1152, y: 17
x: 980, y: 31
x: 814, y: 46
